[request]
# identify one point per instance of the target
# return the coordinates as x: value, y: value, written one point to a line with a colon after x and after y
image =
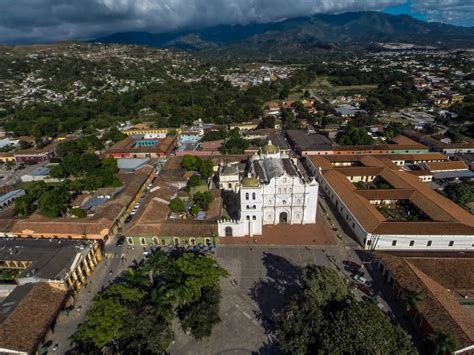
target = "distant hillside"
x: 307, y: 34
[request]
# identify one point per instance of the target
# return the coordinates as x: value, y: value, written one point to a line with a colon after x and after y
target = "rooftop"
x: 435, y: 278
x: 131, y: 164
x: 152, y: 219
x: 304, y: 141
x: 446, y: 216
x: 49, y: 259
x: 27, y: 314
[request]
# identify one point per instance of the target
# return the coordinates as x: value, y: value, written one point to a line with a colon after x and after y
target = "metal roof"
x: 453, y: 174
x: 10, y: 194
x: 131, y: 164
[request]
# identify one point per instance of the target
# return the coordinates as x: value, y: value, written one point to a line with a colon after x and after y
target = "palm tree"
x: 134, y: 278
x: 413, y: 299
x: 441, y: 343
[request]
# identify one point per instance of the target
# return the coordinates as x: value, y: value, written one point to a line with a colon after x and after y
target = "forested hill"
x: 307, y: 34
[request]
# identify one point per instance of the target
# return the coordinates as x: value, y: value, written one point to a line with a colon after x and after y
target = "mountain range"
x: 317, y: 33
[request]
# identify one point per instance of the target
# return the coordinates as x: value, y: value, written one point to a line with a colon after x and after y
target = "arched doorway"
x: 228, y: 231
x: 283, y: 217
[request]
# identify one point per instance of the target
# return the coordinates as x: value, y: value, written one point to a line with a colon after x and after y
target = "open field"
x: 322, y: 86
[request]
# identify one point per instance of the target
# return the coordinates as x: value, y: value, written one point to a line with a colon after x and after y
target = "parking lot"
x: 261, y: 281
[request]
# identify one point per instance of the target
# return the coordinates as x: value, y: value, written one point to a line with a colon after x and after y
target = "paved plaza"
x: 261, y: 281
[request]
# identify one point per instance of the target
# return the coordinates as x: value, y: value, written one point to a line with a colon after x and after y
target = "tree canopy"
x: 326, y: 319
x: 135, y: 314
x: 354, y: 136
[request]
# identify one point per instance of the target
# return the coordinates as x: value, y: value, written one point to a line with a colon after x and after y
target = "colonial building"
x: 388, y: 207
x: 272, y: 190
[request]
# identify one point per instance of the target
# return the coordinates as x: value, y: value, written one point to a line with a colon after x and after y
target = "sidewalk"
x: 100, y: 277
x: 316, y: 234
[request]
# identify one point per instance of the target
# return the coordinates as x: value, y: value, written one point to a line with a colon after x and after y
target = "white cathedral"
x: 272, y: 190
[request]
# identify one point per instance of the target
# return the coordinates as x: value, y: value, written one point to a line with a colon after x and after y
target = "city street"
x: 109, y: 268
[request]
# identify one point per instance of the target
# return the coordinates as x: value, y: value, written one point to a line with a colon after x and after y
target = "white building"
x: 273, y: 190
x: 377, y: 215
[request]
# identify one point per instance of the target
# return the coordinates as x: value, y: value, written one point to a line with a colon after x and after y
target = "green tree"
x: 177, y: 205
x: 58, y: 171
x: 24, y: 144
x: 441, y: 343
x: 24, y: 205
x: 322, y: 285
x: 114, y: 135
x: 148, y: 332
x: 104, y: 324
x: 360, y: 328
x: 200, y: 316
x: 393, y: 129
x: 326, y: 319
x: 54, y: 203
x: 79, y: 213
x: 289, y: 119
x: 206, y: 168
x: 195, y: 210
x: 234, y: 145
x: 267, y: 122
x: 194, y: 181
x: 354, y: 136
x: 214, y: 136
x: 412, y: 299
x: 200, y: 272
x: 459, y: 192
x: 203, y: 199
x: 190, y: 162
x: 455, y: 135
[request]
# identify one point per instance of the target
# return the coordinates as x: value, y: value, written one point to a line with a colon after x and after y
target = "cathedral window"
x: 247, y: 196
x: 254, y: 218
x: 253, y: 196
x: 247, y: 218
x: 284, y: 190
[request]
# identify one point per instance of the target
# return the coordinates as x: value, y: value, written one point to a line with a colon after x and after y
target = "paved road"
x: 108, y: 269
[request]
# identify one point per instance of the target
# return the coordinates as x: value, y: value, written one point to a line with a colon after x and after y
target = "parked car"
x: 352, y: 265
x: 366, y: 289
x: 360, y: 279
x: 128, y: 219
x: 120, y: 240
x: 372, y: 300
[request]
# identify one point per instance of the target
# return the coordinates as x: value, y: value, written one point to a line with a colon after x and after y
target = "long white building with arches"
x: 272, y: 190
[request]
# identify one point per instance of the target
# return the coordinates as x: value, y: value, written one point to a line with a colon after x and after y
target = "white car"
x: 362, y: 280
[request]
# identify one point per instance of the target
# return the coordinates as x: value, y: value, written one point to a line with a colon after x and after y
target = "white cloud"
x: 459, y: 12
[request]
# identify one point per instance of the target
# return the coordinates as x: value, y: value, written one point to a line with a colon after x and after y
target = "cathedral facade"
x: 272, y: 189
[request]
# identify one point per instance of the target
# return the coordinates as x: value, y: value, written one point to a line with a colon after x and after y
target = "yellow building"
x: 63, y: 264
x: 152, y: 131
x: 4, y: 157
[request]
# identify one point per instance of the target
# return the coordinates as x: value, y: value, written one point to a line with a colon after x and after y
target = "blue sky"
x: 30, y: 21
x: 404, y: 9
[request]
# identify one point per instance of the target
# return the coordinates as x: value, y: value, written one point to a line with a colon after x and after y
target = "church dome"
x: 269, y: 148
x: 250, y: 181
